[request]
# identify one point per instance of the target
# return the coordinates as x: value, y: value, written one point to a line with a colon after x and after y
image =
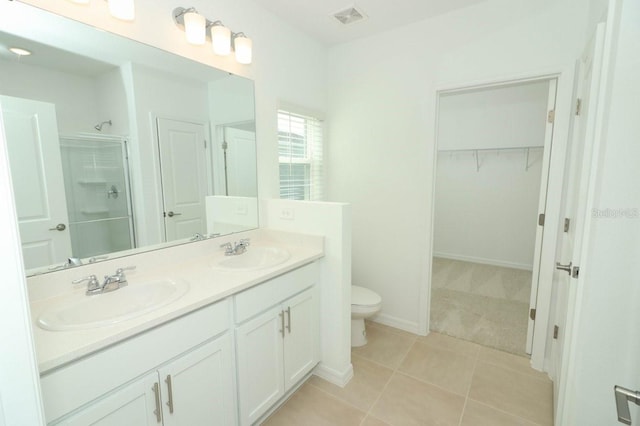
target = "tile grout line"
x: 393, y: 373
x: 473, y: 373
x: 506, y: 412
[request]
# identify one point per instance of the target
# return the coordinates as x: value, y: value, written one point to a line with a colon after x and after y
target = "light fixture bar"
x: 223, y: 40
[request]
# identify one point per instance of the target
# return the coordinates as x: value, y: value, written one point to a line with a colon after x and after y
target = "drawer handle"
x: 289, y: 319
x: 282, y: 323
x: 169, y: 387
x: 156, y: 391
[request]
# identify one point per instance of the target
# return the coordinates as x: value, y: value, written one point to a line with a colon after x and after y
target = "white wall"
x: 75, y: 96
x: 381, y: 115
x: 497, y: 117
x: 487, y: 216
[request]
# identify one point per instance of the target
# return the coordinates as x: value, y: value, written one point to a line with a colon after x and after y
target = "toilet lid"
x: 364, y: 296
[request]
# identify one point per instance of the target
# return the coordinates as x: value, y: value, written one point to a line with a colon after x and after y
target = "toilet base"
x: 358, y: 333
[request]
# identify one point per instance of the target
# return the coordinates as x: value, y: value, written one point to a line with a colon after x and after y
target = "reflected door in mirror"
x: 184, y: 177
x: 36, y: 171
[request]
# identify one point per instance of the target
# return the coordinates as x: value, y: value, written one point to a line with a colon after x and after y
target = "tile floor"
x: 485, y: 304
x: 403, y: 379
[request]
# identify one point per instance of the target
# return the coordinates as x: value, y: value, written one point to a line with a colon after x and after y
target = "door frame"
x: 565, y: 83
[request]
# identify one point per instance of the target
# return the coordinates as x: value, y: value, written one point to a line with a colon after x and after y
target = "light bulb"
x: 122, y: 9
x: 243, y: 46
x: 221, y: 39
x: 195, y: 26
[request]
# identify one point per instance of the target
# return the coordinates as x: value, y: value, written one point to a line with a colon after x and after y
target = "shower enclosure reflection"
x: 98, y: 195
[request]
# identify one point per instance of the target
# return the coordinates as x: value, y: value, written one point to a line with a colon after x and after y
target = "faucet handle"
x: 245, y: 241
x: 120, y: 271
x: 93, y: 280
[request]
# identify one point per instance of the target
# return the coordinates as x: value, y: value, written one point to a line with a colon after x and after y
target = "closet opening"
x: 492, y: 166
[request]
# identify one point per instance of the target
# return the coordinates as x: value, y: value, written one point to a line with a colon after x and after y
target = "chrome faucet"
x: 237, y: 248
x: 111, y: 282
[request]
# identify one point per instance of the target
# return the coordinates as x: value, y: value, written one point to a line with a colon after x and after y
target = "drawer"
x: 263, y: 296
x: 82, y: 381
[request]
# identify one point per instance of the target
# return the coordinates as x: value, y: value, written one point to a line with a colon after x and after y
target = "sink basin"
x: 254, y: 258
x: 111, y: 308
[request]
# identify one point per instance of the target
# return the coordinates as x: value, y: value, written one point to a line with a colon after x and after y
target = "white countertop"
x: 206, y: 285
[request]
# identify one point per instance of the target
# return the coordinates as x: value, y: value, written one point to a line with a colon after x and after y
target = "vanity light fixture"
x: 220, y: 39
x: 243, y: 47
x: 81, y: 1
x: 122, y: 9
x: 197, y: 29
x: 19, y: 51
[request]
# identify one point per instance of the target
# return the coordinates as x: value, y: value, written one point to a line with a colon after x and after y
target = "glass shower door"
x: 98, y: 195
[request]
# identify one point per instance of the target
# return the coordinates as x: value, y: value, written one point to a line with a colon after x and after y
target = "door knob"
x: 566, y: 268
x: 59, y: 227
x: 172, y: 214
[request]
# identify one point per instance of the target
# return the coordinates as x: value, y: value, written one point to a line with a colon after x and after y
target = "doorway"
x: 493, y: 146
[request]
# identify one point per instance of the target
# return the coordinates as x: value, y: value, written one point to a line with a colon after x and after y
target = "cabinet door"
x: 197, y: 388
x: 260, y: 361
x: 301, y: 342
x: 132, y: 405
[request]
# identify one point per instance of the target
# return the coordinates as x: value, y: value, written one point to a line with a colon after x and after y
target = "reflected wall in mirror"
x: 122, y: 148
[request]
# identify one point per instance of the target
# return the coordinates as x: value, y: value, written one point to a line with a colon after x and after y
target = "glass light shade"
x: 195, y: 27
x: 80, y: 1
x: 221, y: 40
x: 122, y: 9
x: 243, y: 49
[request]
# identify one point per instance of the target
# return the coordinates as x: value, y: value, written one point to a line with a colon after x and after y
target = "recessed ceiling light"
x: 349, y: 16
x: 19, y: 51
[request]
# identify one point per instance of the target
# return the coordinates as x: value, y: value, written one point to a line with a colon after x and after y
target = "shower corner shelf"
x: 95, y: 211
x: 92, y: 182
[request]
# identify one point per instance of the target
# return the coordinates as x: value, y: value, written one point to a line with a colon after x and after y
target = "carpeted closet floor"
x: 480, y: 303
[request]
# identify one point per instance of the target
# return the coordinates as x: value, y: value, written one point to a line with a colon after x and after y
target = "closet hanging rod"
x: 511, y: 148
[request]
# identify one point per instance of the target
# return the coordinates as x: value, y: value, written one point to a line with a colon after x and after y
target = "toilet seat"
x: 364, y: 298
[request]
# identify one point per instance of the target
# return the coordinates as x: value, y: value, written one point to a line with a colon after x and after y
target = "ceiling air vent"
x: 349, y: 16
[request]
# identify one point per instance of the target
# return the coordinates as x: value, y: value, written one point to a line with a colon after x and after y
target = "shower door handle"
x: 59, y: 227
x: 172, y: 214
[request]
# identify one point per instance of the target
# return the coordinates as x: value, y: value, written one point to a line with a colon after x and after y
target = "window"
x: 300, y: 156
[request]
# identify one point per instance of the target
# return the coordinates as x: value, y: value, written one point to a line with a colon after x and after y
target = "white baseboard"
x: 484, y: 261
x: 331, y: 375
x: 402, y: 324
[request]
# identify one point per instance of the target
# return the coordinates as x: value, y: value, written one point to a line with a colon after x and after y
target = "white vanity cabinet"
x: 277, y: 339
x: 180, y: 373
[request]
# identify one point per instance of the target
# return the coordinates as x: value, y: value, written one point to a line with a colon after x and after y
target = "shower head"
x: 98, y: 126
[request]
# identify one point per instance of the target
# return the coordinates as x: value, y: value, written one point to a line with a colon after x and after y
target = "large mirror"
x: 116, y: 146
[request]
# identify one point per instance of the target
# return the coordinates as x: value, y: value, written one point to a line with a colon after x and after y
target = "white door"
x: 133, y: 405
x: 183, y: 156
x: 240, y: 158
x: 300, y: 342
x: 260, y: 364
x: 197, y: 388
x: 574, y: 201
x: 36, y: 171
x: 542, y: 205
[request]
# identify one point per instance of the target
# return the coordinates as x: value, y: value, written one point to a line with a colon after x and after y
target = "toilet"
x: 364, y: 304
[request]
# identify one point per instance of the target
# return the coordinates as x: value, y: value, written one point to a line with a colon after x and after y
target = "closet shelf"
x: 510, y: 148
x: 476, y: 151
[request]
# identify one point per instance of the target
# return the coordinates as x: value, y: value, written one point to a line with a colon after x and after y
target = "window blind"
x: 300, y: 149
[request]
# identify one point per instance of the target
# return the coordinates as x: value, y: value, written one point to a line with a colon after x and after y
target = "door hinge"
x: 551, y: 116
x: 556, y: 329
x: 532, y: 314
x: 541, y: 219
x: 578, y: 106
x: 567, y: 223
x: 205, y: 144
x: 575, y: 272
